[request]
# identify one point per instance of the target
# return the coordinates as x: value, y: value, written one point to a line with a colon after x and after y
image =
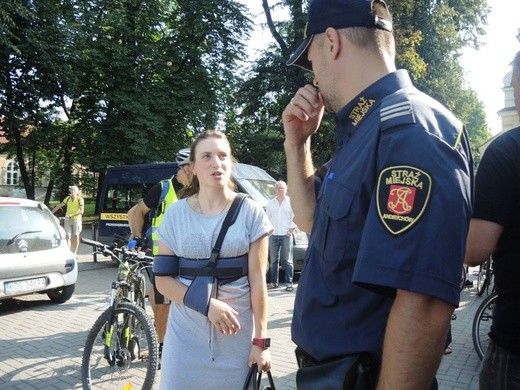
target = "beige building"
x: 508, y: 114
x: 9, y: 176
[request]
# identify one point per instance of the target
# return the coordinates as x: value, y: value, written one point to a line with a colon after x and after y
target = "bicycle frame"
x: 129, y: 277
x: 485, y: 276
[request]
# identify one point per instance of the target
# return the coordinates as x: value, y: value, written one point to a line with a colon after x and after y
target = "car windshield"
x: 26, y: 229
x: 255, y: 182
x: 260, y: 190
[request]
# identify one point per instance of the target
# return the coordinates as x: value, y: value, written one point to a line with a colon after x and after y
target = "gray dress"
x: 195, y: 355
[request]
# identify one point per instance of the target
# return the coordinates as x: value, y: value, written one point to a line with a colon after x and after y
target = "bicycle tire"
x: 482, y: 324
x: 135, y: 365
x: 484, y: 272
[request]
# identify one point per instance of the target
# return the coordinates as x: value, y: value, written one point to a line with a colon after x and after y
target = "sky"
x: 484, y: 68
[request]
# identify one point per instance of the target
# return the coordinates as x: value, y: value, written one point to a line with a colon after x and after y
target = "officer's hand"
x: 302, y: 116
x: 223, y: 317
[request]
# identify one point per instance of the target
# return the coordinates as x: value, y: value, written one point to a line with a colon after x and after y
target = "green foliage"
x: 133, y: 80
x: 429, y: 37
x: 85, y: 84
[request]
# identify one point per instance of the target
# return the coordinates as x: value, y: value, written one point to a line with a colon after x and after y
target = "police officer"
x: 389, y: 224
x: 159, y: 198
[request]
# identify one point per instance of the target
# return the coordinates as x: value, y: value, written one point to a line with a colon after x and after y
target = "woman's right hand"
x: 223, y: 317
x: 260, y: 356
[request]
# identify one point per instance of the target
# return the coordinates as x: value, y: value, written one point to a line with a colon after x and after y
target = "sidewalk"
x: 41, y: 343
x: 458, y: 370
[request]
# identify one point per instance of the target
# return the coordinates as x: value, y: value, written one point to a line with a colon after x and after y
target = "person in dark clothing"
x: 495, y: 230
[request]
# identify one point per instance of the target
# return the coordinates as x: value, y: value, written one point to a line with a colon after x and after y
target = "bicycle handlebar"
x: 92, y: 242
x: 120, y: 237
x: 106, y: 250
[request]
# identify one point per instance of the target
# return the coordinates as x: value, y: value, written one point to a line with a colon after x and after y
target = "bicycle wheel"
x: 133, y: 358
x: 482, y: 324
x: 483, y: 277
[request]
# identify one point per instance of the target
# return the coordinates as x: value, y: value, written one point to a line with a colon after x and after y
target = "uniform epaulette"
x: 396, y: 110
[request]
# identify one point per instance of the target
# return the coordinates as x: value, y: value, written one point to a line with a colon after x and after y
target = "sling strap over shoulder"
x: 200, y: 290
x: 230, y: 219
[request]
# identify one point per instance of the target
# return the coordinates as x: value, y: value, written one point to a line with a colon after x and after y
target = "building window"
x: 12, y: 173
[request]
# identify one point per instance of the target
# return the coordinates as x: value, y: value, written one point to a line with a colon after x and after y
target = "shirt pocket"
x: 334, y: 229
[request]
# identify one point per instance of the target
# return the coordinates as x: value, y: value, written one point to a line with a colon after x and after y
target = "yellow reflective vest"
x: 168, y: 197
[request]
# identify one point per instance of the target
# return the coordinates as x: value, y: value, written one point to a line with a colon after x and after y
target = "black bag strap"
x: 231, y: 216
x: 254, y: 377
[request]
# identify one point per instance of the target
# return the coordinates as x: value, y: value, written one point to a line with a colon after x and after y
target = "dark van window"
x: 121, y: 197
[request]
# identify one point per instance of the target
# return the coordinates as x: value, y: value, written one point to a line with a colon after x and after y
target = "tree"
x: 134, y: 80
x: 434, y: 32
x: 28, y: 42
x: 151, y: 76
x: 429, y: 36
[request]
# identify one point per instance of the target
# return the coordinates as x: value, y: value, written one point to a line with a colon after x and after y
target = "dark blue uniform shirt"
x: 392, y: 213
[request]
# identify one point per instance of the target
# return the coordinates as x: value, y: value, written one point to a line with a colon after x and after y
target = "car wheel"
x: 61, y: 295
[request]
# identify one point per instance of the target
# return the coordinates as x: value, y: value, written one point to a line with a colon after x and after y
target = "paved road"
x: 41, y: 343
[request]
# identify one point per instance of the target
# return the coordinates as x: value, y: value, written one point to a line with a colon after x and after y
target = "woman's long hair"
x: 194, y: 186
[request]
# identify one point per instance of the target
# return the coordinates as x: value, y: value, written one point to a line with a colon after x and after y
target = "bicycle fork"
x: 109, y: 329
x: 121, y: 355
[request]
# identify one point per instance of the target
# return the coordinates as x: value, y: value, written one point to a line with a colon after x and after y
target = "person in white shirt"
x: 281, y: 216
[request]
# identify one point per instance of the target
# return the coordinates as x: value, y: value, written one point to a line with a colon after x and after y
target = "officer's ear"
x: 333, y: 42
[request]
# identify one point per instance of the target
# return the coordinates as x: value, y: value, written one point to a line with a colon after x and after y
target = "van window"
x: 124, y: 187
x: 122, y: 197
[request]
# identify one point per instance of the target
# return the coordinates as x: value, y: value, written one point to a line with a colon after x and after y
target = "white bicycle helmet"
x: 183, y: 157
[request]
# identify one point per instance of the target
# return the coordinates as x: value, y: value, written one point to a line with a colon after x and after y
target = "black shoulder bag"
x: 199, y: 292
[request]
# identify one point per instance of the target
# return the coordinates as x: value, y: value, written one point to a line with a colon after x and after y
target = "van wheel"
x: 61, y: 295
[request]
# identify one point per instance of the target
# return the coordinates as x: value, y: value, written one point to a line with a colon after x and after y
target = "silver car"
x: 34, y: 256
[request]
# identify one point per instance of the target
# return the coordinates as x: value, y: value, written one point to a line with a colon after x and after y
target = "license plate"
x: 25, y: 285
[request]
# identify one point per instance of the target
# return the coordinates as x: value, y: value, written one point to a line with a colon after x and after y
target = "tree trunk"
x: 27, y: 183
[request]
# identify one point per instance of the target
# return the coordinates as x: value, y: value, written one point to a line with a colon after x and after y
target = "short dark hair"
x: 376, y: 39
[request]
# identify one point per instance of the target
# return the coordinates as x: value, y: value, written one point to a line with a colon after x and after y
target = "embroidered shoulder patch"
x: 403, y: 193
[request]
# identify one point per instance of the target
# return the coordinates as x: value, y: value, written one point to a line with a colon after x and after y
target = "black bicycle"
x: 485, y: 275
x: 482, y: 324
x: 121, y: 350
